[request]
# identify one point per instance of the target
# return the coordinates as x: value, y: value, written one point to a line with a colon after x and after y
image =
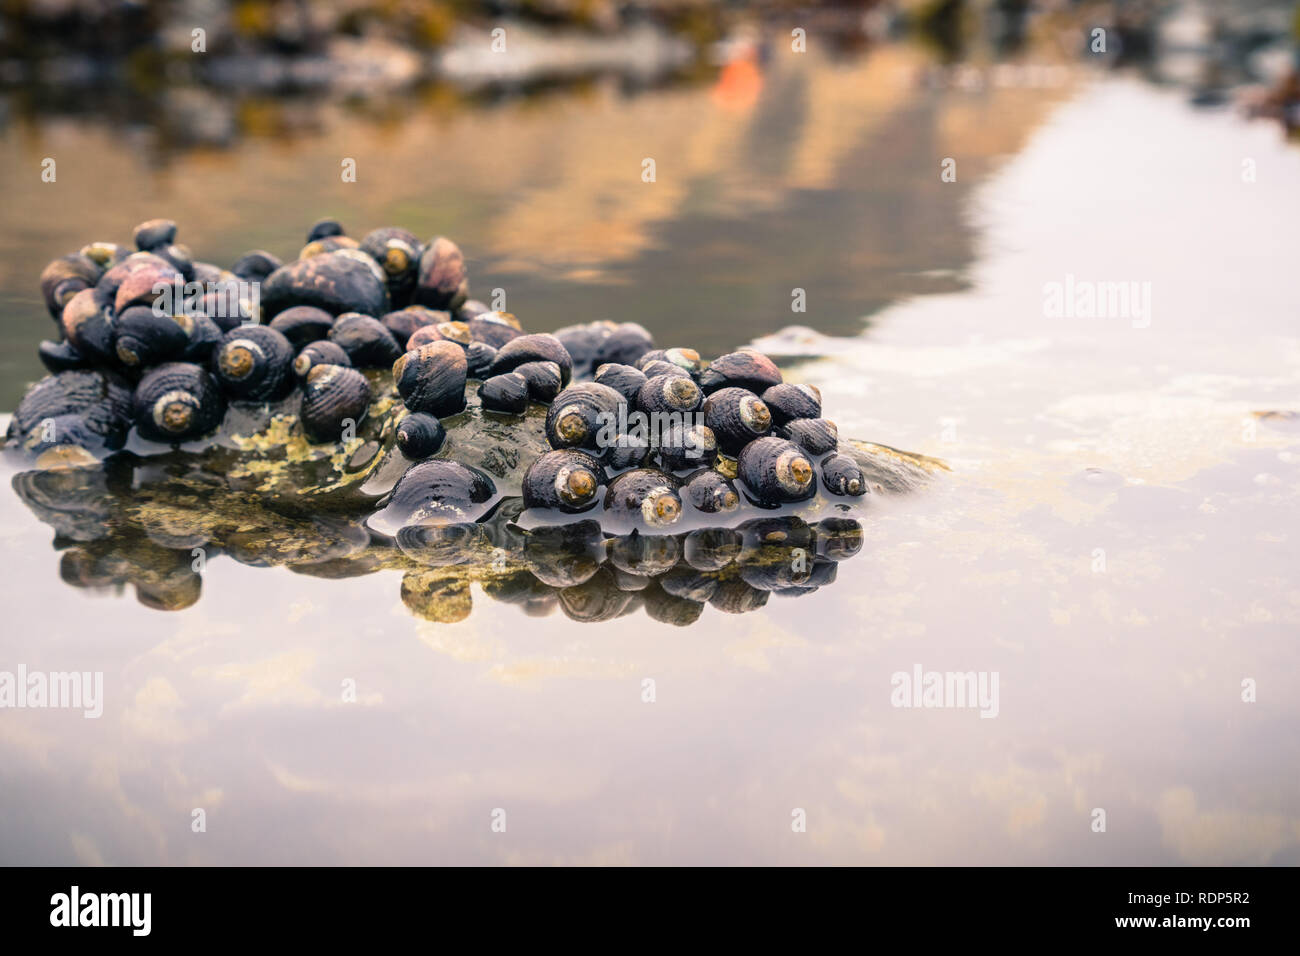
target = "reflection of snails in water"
x: 477, y: 419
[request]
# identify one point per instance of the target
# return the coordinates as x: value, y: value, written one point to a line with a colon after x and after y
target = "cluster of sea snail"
x: 361, y: 378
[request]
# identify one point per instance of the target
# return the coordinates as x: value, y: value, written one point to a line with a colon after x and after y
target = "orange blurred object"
x: 738, y: 84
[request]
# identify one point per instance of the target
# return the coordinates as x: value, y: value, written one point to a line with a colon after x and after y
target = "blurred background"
x: 1117, y: 537
x: 797, y: 144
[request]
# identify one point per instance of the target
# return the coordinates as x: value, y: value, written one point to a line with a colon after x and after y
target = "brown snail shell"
x: 736, y: 596
x: 668, y: 608
x: 65, y: 277
x: 786, y: 402
x: 332, y: 396
x: 566, y: 480
x: 737, y: 417
x: 453, y: 331
x: 432, y: 378
x: 364, y: 338
x: 839, y: 538
x: 745, y: 368
x: 88, y: 326
x: 494, y: 328
x: 479, y: 357
x: 442, y: 281
x: 775, y: 471
x: 404, y: 322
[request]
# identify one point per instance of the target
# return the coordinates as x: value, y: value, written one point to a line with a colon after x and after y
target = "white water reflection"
x: 1120, y: 689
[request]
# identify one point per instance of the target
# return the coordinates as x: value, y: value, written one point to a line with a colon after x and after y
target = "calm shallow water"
x: 1119, y: 688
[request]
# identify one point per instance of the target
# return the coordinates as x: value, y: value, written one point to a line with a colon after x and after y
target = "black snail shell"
x: 479, y: 357
x: 842, y: 476
x: 817, y: 436
x: 670, y: 609
x: 154, y: 233
x: 323, y: 228
x: 203, y: 336
x: 101, y: 399
x: 565, y: 555
x: 398, y: 254
x: 687, y: 360
x: 775, y: 471
x: 441, y: 488
x: 229, y: 304
x: 302, y: 324
x: 442, y: 281
x: 544, y: 380
x: 318, y: 353
x: 180, y: 259
x: 177, y: 402
x: 403, y: 323
x: 420, y: 435
x: 65, y: 277
x: 599, y: 598
x: 565, y: 480
x: 745, y: 368
x: 539, y: 347
x: 710, y: 491
x: 787, y: 402
x: 644, y: 496
x: 685, y: 582
x: 60, y: 356
x: 142, y: 337
x: 367, y: 342
x: 253, y: 363
x: 582, y: 342
x: 656, y: 368
x: 580, y: 414
x: 624, y: 379
x: 432, y: 378
x: 737, y: 417
x: 494, y: 328
x: 625, y: 344
x: 206, y: 272
x: 88, y: 326
x: 507, y: 392
x: 343, y: 281
x: 256, y: 265
x: 627, y: 451
x: 333, y: 396
x: 686, y: 446
x: 669, y: 393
